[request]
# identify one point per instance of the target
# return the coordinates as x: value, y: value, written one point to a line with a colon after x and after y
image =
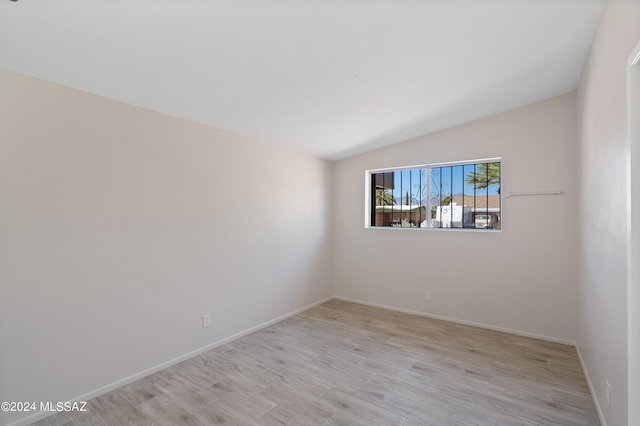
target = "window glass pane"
x: 484, y: 180
x: 449, y: 209
x: 399, y: 198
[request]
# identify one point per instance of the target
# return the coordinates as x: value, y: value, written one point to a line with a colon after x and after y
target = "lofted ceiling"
x: 333, y: 78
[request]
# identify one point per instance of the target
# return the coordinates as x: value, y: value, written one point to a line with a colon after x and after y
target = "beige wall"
x: 116, y: 236
x: 602, y: 302
x: 523, y: 278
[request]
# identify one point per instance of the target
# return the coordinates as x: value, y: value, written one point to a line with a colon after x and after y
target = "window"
x: 463, y: 195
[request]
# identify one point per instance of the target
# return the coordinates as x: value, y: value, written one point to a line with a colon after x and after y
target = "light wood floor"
x: 347, y: 364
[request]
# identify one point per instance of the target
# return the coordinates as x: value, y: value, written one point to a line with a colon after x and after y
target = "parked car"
x: 483, y: 221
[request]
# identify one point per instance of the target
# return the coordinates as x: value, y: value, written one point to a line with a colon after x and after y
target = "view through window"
x: 453, y: 195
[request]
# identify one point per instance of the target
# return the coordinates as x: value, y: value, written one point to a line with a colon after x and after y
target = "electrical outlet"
x: 608, y: 393
x: 206, y: 320
x: 427, y: 295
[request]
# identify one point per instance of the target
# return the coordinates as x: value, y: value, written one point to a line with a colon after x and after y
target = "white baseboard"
x: 591, y: 389
x: 137, y: 376
x: 459, y: 321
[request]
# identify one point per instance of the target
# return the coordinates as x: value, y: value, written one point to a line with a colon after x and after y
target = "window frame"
x: 370, y: 192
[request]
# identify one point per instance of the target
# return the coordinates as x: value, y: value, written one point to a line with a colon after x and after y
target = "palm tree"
x: 384, y: 198
x: 485, y: 175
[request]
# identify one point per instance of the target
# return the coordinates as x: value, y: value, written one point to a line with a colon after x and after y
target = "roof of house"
x: 399, y: 208
x: 479, y: 202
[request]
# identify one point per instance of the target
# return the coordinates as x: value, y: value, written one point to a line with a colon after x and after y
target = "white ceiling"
x: 330, y: 77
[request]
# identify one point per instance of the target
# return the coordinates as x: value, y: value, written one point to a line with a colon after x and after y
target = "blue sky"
x: 444, y: 181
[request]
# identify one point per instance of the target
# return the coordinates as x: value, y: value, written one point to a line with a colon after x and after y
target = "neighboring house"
x: 463, y: 212
x: 485, y: 210
x: 453, y: 216
x: 401, y: 215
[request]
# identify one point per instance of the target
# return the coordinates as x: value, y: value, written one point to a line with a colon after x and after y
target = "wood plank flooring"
x: 342, y: 363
